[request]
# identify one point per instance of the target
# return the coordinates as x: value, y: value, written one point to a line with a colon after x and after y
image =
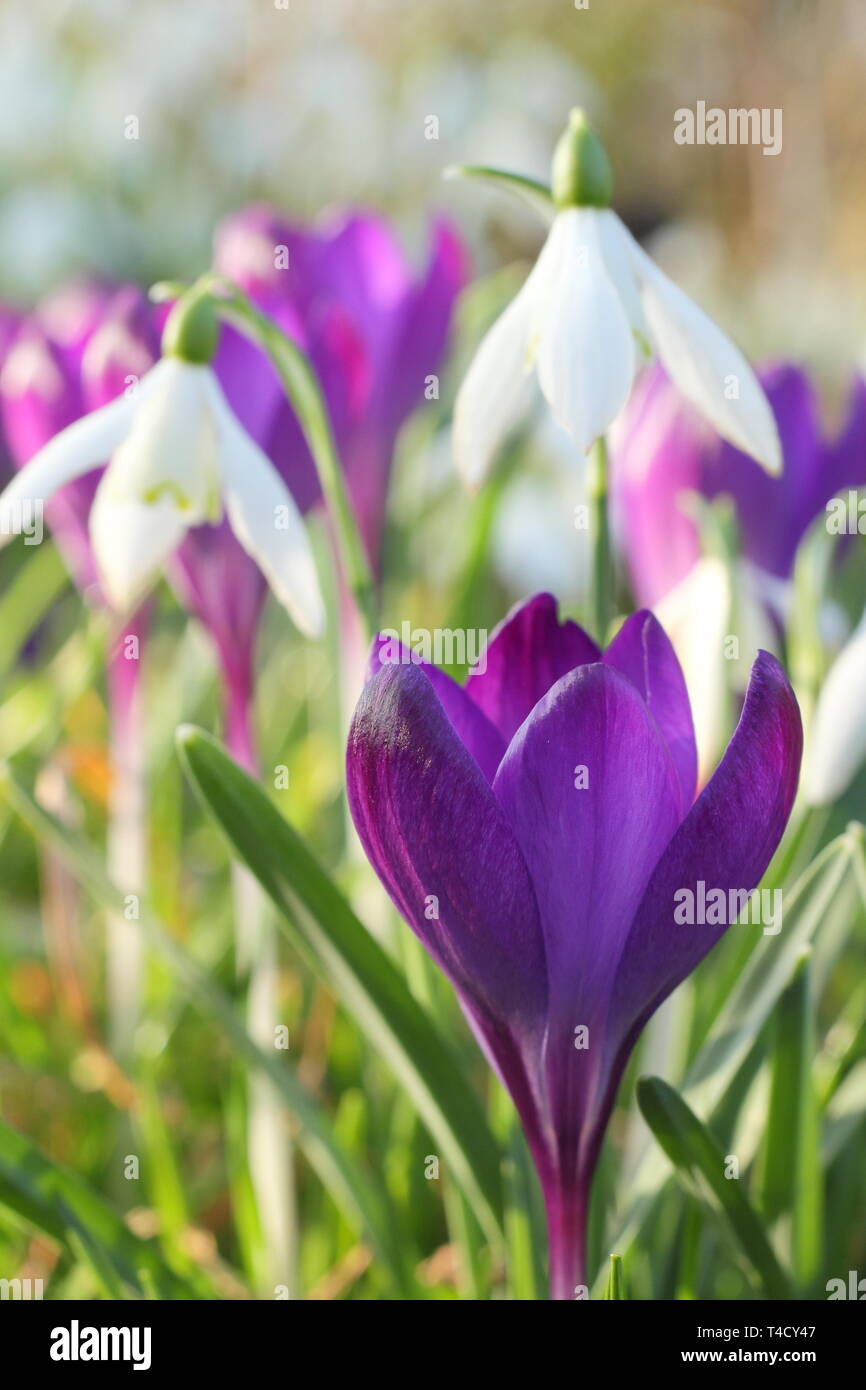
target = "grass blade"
x: 325, y: 930
x: 700, y: 1165
x: 338, y: 1171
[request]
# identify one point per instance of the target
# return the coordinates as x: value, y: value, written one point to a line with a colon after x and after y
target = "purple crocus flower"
x: 41, y: 393
x: 534, y: 826
x: 375, y: 333
x: 664, y: 450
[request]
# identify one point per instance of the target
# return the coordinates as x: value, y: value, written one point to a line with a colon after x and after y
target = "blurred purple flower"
x: 662, y: 450
x: 42, y: 391
x: 374, y: 332
x: 533, y: 828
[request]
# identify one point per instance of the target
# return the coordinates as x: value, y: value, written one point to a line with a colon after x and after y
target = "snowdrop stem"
x: 601, y: 567
x: 126, y: 841
x: 268, y: 1146
x: 304, y: 392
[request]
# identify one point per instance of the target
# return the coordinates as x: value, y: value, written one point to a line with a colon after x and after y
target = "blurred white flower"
x: 176, y: 454
x: 716, y: 618
x: 836, y: 745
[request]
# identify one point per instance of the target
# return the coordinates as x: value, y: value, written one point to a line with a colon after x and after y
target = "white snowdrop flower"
x: 593, y: 311
x: 836, y: 745
x: 177, y: 457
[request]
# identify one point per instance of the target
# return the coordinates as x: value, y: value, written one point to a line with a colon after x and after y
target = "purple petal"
x: 122, y: 348
x: 656, y: 461
x: 527, y: 653
x: 642, y: 651
x: 471, y: 726
x: 591, y: 848
x: 442, y: 847
x: 726, y: 841
x: 591, y: 851
x: 773, y: 513
x: 40, y: 395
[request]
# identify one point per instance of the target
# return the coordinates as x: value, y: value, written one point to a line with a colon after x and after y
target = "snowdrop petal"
x: 131, y: 540
x: 498, y: 387
x: 837, y: 742
x: 586, y: 357
x: 171, y: 449
x: 705, y: 364
x: 84, y: 445
x: 616, y: 250
x: 696, y: 616
x: 263, y: 516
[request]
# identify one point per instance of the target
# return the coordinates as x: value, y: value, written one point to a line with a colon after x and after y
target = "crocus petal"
x: 658, y: 446
x: 498, y: 386
x: 263, y: 516
x: 837, y: 739
x: 131, y: 541
x: 705, y: 365
x: 441, y: 845
x: 590, y: 791
x: 79, y: 448
x: 526, y: 655
x: 642, y: 651
x: 470, y: 724
x: 586, y: 356
x: 727, y: 840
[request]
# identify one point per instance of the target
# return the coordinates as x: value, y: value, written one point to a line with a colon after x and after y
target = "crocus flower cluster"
x: 534, y: 827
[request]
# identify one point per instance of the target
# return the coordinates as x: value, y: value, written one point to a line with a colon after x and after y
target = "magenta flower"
x: 663, y: 450
x: 533, y: 828
x: 375, y: 333
x: 45, y: 386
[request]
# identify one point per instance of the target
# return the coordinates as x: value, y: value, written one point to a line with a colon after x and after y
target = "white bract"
x: 594, y: 310
x: 177, y: 456
x: 837, y: 739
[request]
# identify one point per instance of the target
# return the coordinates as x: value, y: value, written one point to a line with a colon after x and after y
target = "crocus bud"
x: 192, y: 330
x: 580, y: 175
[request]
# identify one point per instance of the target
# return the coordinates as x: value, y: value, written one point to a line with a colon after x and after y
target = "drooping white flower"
x: 594, y: 309
x: 836, y: 745
x: 176, y: 457
x: 717, y: 619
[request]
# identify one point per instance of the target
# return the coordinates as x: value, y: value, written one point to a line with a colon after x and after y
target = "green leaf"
x: 700, y: 1165
x: 306, y: 397
x: 324, y: 929
x: 615, y: 1288
x: 532, y: 191
x: 818, y: 906
x: 54, y: 1201
x: 338, y: 1171
x: 27, y: 598
x: 821, y: 898
x: 790, y: 1172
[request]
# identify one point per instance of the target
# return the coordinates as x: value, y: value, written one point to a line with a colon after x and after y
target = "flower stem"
x: 126, y: 840
x: 566, y: 1229
x: 304, y: 393
x: 268, y: 1145
x: 602, y: 563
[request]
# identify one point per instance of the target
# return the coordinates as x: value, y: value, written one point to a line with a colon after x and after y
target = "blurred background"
x: 327, y: 100
x: 128, y: 128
